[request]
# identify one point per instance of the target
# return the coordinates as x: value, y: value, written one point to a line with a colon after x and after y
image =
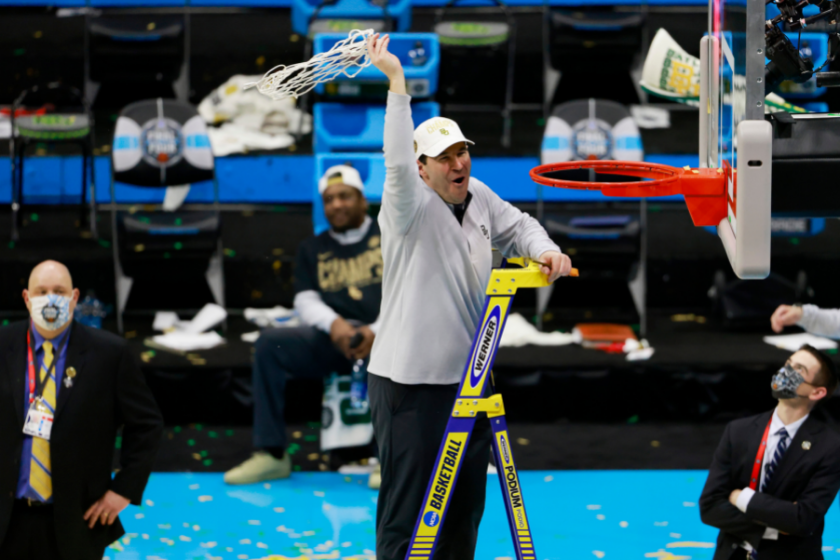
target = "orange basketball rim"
x: 704, y: 189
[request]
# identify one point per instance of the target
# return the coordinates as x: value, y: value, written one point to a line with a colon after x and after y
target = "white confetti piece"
x: 279, y: 509
x: 150, y: 503
x: 318, y: 493
x: 243, y: 557
x: 194, y: 486
x: 187, y: 525
x: 245, y: 541
x: 283, y: 529
x: 689, y: 504
x: 145, y: 537
x: 196, y: 528
x: 676, y: 536
x: 593, y: 507
x: 293, y: 535
x: 623, y: 524
x: 598, y: 554
x: 203, y: 499
x: 267, y: 486
x: 600, y: 517
x: 164, y: 526
x: 262, y: 545
x: 253, y: 522
x: 346, y: 544
x: 211, y: 544
x: 660, y: 523
x: 229, y: 549
x: 137, y: 515
x: 549, y: 478
x: 308, y: 533
x: 185, y: 538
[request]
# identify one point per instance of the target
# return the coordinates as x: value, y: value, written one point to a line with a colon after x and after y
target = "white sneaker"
x: 375, y: 478
x: 260, y: 467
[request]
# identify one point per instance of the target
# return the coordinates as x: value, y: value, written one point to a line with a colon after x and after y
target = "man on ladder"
x: 439, y: 226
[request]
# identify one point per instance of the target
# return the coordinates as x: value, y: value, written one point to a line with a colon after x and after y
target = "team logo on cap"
x: 444, y: 132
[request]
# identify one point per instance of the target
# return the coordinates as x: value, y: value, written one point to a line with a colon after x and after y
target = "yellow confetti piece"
x: 194, y: 486
x: 600, y: 517
x: 205, y: 499
x: 523, y: 441
x: 297, y: 435
x: 690, y: 544
x: 623, y: 524
x: 139, y: 516
x: 196, y: 528
x: 185, y: 538
x: 253, y: 522
x: 593, y: 507
x: 211, y: 544
x: 598, y: 553
x: 279, y: 509
x: 549, y: 478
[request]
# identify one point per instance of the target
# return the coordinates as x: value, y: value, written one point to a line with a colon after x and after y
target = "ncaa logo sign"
x: 431, y: 519
x: 484, y: 346
x: 504, y: 446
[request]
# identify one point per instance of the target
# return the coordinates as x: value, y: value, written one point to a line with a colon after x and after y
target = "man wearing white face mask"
x: 65, y: 389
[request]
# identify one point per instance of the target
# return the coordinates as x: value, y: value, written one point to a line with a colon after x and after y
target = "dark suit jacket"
x: 108, y: 392
x: 811, y: 478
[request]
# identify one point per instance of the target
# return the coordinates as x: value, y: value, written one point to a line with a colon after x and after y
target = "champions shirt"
x: 346, y: 276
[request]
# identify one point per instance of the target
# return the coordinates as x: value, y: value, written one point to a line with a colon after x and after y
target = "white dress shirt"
x: 772, y: 443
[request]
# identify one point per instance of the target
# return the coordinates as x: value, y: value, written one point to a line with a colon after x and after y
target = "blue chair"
x: 370, y: 166
x: 306, y: 12
x: 418, y: 52
x: 355, y: 128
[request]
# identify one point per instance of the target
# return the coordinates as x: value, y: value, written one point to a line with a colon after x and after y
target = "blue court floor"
x: 617, y: 515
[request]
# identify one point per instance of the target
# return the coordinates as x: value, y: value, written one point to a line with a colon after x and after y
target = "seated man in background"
x: 822, y: 322
x: 774, y: 475
x: 338, y: 288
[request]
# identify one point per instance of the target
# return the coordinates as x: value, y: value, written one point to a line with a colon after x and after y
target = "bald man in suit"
x: 58, y: 500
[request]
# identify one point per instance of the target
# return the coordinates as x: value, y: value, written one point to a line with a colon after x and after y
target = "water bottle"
x: 358, y: 379
x: 90, y: 311
x: 418, y: 54
x: 358, y: 385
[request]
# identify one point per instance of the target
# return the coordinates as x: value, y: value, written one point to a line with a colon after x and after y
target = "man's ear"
x: 422, y: 170
x: 26, y: 301
x: 819, y: 393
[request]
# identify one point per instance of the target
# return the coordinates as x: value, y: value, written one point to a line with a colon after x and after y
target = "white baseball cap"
x: 433, y: 136
x: 341, y: 175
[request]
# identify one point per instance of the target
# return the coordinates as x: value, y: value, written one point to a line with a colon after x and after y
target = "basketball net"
x: 293, y: 81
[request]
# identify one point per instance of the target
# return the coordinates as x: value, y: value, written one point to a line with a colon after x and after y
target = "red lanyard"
x: 31, y: 360
x: 31, y: 367
x: 759, y: 458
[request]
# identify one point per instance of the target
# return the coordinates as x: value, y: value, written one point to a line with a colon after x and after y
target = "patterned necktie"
x: 777, y: 457
x: 40, y: 477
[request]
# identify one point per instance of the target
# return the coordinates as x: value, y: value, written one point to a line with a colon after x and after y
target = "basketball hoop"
x: 293, y: 81
x: 704, y: 189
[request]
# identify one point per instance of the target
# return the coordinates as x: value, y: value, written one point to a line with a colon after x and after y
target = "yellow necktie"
x: 40, y: 477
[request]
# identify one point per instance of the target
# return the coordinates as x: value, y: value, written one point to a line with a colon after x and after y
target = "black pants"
x: 31, y: 535
x: 280, y: 354
x: 408, y: 423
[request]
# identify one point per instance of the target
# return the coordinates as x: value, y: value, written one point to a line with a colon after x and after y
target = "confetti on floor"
x: 318, y: 516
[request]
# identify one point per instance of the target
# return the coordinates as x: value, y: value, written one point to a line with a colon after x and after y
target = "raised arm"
x: 401, y: 195
x: 822, y: 322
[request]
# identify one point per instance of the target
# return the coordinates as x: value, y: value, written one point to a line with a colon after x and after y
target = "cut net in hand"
x: 292, y: 81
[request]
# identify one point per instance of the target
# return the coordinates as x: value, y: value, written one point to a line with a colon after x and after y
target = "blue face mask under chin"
x: 785, y: 383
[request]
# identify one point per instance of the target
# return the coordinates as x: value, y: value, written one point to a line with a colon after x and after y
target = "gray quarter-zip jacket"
x: 435, y: 269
